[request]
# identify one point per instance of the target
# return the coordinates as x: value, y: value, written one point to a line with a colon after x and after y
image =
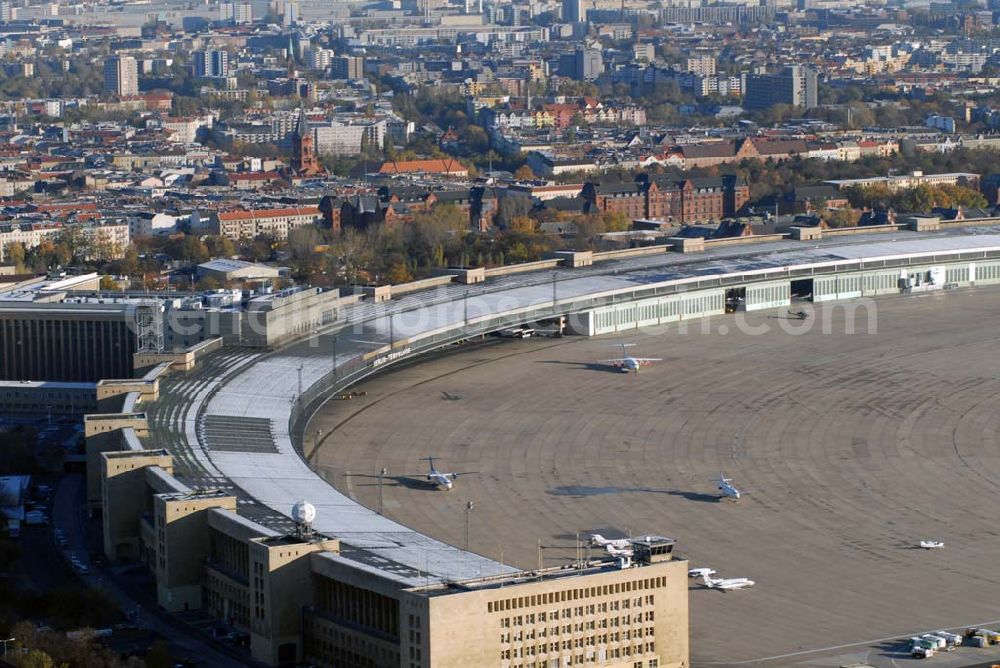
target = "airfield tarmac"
x: 853, y: 448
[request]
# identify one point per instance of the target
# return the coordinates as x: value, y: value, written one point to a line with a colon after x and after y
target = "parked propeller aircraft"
x: 441, y: 480
x: 627, y: 363
x: 728, y: 489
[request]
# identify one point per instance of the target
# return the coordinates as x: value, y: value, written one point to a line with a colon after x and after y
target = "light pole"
x: 381, y: 476
x: 468, y: 512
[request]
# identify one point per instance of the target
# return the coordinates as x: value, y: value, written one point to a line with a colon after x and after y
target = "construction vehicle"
x: 992, y: 637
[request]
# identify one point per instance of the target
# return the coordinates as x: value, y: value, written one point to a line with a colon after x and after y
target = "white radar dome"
x: 304, y: 512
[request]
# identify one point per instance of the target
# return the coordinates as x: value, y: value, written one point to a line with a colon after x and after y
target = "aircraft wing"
x: 620, y: 360
x: 648, y: 359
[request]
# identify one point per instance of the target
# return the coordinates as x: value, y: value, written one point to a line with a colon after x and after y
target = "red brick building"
x: 684, y: 201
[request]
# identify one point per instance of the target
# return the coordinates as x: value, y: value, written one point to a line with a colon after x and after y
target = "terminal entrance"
x: 802, y: 289
x: 736, y: 300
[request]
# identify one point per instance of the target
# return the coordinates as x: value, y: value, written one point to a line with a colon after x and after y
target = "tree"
x: 518, y: 252
x: 108, y: 283
x: 398, y: 273
x: 524, y: 173
x: 14, y: 254
x: 129, y: 264
x: 259, y: 249
x: 523, y: 224
x: 845, y: 217
x: 209, y: 283
x: 191, y: 249
x: 616, y: 221
x: 510, y: 207
x: 35, y: 658
x: 476, y: 139
x: 302, y: 241
x: 219, y: 246
x: 436, y: 235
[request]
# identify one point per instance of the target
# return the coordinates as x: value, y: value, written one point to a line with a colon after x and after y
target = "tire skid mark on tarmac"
x: 393, y: 393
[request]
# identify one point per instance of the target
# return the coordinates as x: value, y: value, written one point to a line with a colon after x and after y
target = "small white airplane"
x: 627, y: 363
x: 931, y: 544
x: 443, y: 481
x: 600, y: 541
x: 700, y: 572
x: 727, y: 488
x: 727, y: 584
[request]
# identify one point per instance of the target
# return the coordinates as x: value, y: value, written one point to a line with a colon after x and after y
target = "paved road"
x: 854, y: 447
x: 68, y: 514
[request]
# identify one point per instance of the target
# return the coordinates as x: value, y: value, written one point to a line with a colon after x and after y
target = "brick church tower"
x: 304, y: 160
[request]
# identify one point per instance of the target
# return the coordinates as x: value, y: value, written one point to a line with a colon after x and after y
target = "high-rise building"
x: 795, y: 86
x: 243, y: 12
x: 703, y: 65
x: 588, y: 64
x: 318, y: 58
x: 348, y: 67
x: 121, y: 75
x: 572, y: 11
x: 289, y: 12
x: 211, y: 63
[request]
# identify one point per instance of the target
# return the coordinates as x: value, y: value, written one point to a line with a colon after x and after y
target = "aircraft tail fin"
x: 707, y: 579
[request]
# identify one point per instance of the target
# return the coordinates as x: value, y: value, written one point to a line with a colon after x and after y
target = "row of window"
x: 766, y: 295
x: 335, y: 648
x: 576, y: 594
x: 988, y: 272
x: 590, y: 656
x: 670, y: 307
x: 579, y: 611
x: 957, y: 274
x: 629, y: 633
x: 881, y: 281
x: 837, y: 285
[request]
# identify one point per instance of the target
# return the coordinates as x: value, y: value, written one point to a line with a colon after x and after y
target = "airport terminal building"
x: 197, y: 468
x: 306, y: 596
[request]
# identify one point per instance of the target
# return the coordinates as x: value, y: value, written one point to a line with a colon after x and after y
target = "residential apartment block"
x: 275, y: 223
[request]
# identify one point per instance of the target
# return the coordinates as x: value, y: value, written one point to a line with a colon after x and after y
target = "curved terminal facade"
x: 197, y: 471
